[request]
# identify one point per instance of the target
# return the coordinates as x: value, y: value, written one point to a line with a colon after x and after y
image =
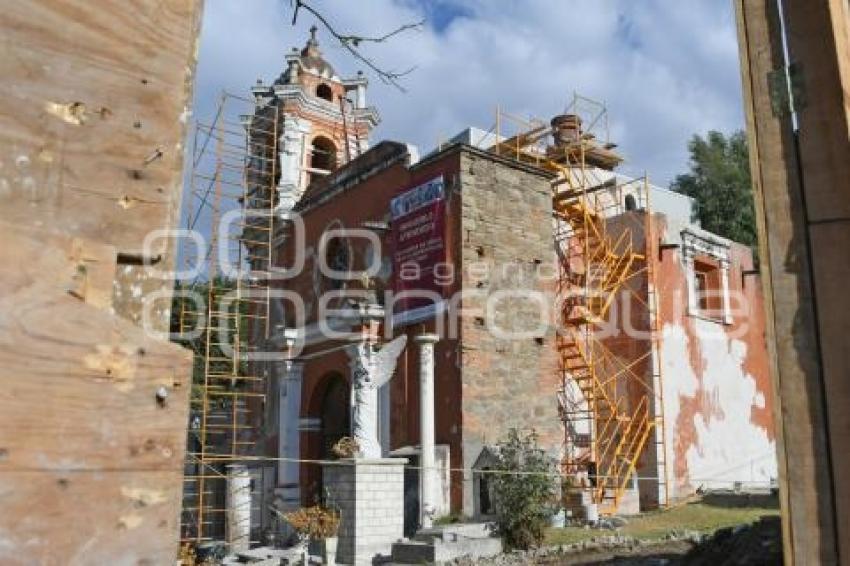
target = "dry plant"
x: 315, y: 522
x: 346, y: 447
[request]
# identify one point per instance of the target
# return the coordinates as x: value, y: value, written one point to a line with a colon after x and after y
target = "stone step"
x: 438, y: 550
x: 455, y: 531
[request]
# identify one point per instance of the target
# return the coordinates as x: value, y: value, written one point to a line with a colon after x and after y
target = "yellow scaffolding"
x: 611, y: 398
x: 224, y: 308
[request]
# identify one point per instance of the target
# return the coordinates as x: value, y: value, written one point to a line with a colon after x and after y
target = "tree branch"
x: 352, y: 43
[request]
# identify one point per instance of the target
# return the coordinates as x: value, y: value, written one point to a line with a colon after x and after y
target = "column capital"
x: 426, y: 338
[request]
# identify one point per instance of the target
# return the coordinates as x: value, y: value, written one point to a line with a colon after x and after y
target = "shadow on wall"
x: 807, y: 347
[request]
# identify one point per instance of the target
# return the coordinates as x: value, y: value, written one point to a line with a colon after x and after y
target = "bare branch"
x: 357, y: 39
x: 352, y: 42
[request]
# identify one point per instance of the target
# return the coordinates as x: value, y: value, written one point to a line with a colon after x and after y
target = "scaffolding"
x: 611, y: 396
x: 223, y: 307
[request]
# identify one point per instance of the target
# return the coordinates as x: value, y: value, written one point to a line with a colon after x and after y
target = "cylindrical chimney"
x: 566, y: 129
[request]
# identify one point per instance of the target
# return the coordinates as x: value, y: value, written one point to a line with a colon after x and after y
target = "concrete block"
x: 372, y: 509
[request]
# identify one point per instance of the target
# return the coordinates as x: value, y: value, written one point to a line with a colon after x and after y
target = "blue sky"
x: 441, y: 13
x: 665, y: 69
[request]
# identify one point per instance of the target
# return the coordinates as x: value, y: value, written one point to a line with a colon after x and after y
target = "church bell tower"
x: 323, y: 119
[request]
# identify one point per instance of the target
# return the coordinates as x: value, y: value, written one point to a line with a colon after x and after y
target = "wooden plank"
x: 93, y: 108
x: 805, y: 483
x: 819, y: 43
x: 92, y: 403
x: 823, y: 115
x: 56, y: 264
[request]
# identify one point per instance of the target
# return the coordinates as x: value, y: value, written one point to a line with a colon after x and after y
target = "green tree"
x: 719, y: 181
x: 525, y: 493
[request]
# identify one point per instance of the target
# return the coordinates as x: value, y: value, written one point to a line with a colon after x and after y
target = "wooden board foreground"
x: 94, y: 100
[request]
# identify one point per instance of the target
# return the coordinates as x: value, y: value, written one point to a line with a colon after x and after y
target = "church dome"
x: 311, y: 57
x: 311, y: 60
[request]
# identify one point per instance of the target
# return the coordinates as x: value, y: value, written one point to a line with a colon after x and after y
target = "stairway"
x: 617, y: 431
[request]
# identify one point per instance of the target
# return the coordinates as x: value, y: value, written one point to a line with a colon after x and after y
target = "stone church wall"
x: 508, y: 357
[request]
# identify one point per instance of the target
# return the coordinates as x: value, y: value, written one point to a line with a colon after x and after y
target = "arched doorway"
x: 335, y: 413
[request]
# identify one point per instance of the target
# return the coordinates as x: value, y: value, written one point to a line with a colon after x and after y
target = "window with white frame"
x: 706, y: 260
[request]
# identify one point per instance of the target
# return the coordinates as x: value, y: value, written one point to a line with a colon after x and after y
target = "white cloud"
x: 666, y: 69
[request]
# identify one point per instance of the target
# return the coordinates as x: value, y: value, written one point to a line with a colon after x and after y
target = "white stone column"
x: 384, y: 419
x: 691, y: 281
x: 360, y: 98
x: 724, y: 289
x: 428, y: 460
x: 289, y: 437
x: 238, y: 503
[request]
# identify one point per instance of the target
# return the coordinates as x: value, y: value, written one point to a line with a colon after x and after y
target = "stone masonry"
x: 369, y: 494
x: 509, y: 380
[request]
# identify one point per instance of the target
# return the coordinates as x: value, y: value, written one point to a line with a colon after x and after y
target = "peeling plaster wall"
x: 717, y: 393
x: 708, y: 413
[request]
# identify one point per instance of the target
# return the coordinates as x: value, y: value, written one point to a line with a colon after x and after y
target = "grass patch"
x: 448, y: 520
x: 697, y: 516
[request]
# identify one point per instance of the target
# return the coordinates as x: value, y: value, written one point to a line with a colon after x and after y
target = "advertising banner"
x: 418, y: 226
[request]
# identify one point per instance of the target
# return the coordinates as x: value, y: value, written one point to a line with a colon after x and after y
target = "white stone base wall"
x: 369, y: 494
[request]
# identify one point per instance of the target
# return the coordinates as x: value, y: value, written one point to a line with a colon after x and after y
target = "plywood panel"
x: 819, y: 43
x: 832, y: 274
x: 75, y: 518
x: 93, y: 105
x: 79, y: 388
x: 90, y: 458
